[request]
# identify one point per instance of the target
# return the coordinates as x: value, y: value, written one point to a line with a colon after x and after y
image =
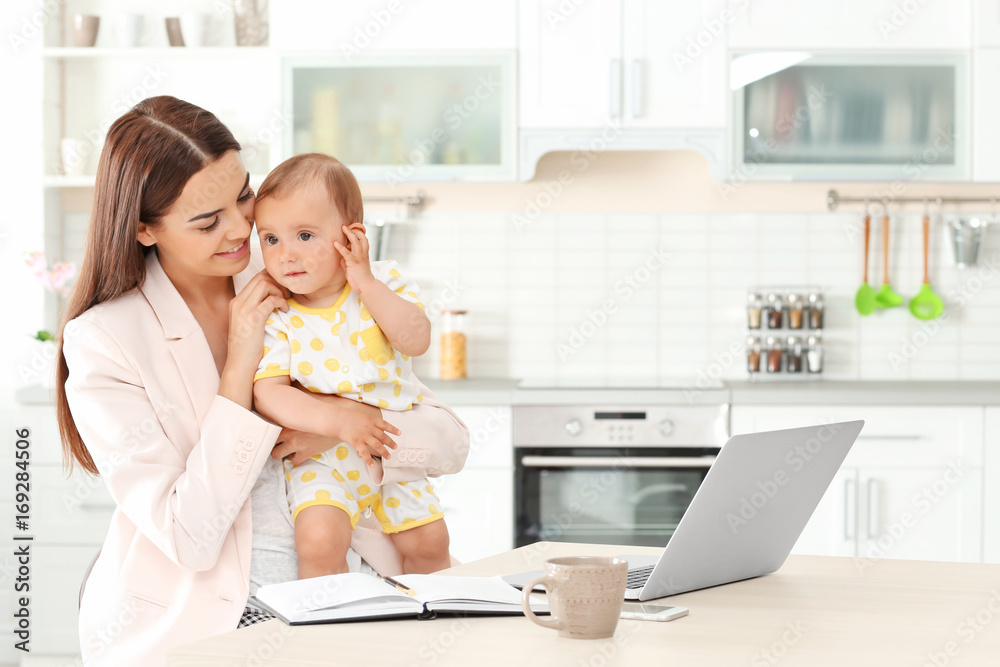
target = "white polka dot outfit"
x: 339, y: 477
x: 341, y: 350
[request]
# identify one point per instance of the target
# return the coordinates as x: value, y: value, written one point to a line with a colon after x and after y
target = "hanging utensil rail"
x: 833, y: 200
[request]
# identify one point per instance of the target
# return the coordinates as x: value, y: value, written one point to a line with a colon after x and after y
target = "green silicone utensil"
x: 864, y: 300
x: 926, y: 305
x: 886, y: 297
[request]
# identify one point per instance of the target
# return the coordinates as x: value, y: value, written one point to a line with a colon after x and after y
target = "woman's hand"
x: 298, y: 446
x: 247, y: 312
x: 354, y: 257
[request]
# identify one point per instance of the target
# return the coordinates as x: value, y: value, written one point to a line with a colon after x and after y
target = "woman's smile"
x: 235, y: 253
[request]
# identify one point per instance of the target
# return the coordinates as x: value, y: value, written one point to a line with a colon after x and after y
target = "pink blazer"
x: 180, y: 462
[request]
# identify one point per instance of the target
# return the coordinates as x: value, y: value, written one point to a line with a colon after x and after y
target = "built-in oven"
x: 610, y: 475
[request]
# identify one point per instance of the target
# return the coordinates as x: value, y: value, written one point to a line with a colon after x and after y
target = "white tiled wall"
x: 528, y: 287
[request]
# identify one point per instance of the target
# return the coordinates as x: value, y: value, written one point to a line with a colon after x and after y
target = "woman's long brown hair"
x: 148, y: 157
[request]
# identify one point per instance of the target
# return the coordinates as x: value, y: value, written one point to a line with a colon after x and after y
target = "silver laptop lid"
x: 751, y: 508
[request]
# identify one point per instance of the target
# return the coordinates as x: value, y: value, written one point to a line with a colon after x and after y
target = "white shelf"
x: 84, y: 181
x: 155, y: 52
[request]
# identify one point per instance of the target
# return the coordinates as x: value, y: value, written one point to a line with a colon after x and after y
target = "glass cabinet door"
x: 399, y: 118
x: 856, y: 117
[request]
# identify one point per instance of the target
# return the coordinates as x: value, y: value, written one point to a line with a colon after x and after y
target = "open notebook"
x: 353, y: 597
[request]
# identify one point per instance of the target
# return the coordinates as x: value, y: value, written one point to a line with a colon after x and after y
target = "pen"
x: 406, y: 589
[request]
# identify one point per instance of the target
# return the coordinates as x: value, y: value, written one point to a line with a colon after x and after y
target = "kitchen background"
x: 599, y: 221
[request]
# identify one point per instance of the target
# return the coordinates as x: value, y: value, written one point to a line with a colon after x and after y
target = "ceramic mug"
x: 194, y: 26
x: 174, y: 35
x: 128, y: 30
x: 585, y: 595
x: 85, y: 29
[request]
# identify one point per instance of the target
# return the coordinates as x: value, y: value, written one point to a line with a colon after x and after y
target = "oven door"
x: 633, y: 496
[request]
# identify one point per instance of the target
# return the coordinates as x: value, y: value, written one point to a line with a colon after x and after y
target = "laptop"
x: 747, y: 514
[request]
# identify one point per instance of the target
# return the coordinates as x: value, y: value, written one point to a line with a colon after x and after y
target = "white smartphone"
x: 640, y: 611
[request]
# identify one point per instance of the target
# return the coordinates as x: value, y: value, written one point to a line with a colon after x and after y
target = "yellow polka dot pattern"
x: 316, y: 344
x: 308, y: 475
x: 392, y: 502
x: 416, y: 494
x: 282, y: 335
x: 383, y: 375
x: 341, y: 453
x: 365, y: 315
x: 368, y: 386
x: 305, y: 368
x: 382, y: 403
x: 331, y: 364
x: 345, y: 387
x: 337, y: 476
x: 266, y: 350
x: 269, y: 321
x: 353, y: 475
x: 297, y: 322
x: 315, y: 390
x: 296, y: 346
x: 364, y: 490
x: 322, y: 494
x: 348, y: 495
x: 433, y: 508
x: 273, y: 367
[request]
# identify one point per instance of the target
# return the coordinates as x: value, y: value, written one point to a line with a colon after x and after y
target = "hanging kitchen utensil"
x: 864, y: 300
x: 886, y: 297
x: 926, y: 305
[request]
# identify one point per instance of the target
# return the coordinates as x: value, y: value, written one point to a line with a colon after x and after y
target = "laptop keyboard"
x: 637, y: 577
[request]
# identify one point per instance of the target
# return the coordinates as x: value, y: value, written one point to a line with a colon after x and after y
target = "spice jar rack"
x: 785, y: 333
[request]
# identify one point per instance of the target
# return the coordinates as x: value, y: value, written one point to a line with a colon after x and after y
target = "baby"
x: 350, y: 330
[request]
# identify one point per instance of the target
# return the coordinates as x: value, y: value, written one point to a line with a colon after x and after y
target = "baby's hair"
x: 302, y: 170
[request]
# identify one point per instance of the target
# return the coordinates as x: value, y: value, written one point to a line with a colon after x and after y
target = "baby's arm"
x: 276, y: 399
x: 404, y: 324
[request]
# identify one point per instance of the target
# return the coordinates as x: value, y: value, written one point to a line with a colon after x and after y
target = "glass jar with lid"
x: 796, y: 307
x: 453, y: 343
x: 755, y: 306
x: 773, y: 354
x: 775, y: 309
x: 793, y: 355
x: 753, y: 354
x: 814, y: 354
x: 815, y: 300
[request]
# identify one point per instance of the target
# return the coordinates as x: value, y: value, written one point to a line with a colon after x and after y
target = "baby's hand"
x: 367, y: 434
x: 354, y: 257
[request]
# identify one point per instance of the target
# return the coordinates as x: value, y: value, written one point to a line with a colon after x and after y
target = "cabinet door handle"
x: 636, y: 97
x: 850, y: 510
x: 873, y: 512
x: 615, y: 89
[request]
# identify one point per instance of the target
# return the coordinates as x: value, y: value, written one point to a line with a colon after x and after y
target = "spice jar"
x: 814, y: 354
x: 753, y: 354
x: 453, y: 362
x: 795, y: 309
x: 755, y: 305
x: 773, y: 354
x: 793, y: 361
x: 815, y: 310
x: 775, y: 310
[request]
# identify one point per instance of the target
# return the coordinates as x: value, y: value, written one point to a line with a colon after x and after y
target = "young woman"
x: 161, y: 340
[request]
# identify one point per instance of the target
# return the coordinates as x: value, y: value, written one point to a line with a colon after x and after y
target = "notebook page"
x: 328, y: 592
x: 442, y: 588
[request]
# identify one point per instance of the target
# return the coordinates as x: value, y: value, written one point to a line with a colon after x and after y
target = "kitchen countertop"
x: 507, y: 391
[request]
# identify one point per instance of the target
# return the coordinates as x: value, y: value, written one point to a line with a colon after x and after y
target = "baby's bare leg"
x: 424, y: 549
x: 322, y: 536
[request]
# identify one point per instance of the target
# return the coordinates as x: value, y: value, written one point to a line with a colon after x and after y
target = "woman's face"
x: 206, y: 231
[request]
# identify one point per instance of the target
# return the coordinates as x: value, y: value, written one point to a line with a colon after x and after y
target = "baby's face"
x: 297, y: 233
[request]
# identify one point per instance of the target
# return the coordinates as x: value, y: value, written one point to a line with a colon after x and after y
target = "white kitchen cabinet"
x: 627, y: 63
x: 985, y: 102
x: 986, y: 19
x: 911, y: 487
x: 845, y: 25
x: 371, y: 26
x: 478, y: 502
x: 991, y: 487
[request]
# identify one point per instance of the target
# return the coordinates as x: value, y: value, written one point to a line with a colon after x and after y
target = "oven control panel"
x: 643, y: 426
